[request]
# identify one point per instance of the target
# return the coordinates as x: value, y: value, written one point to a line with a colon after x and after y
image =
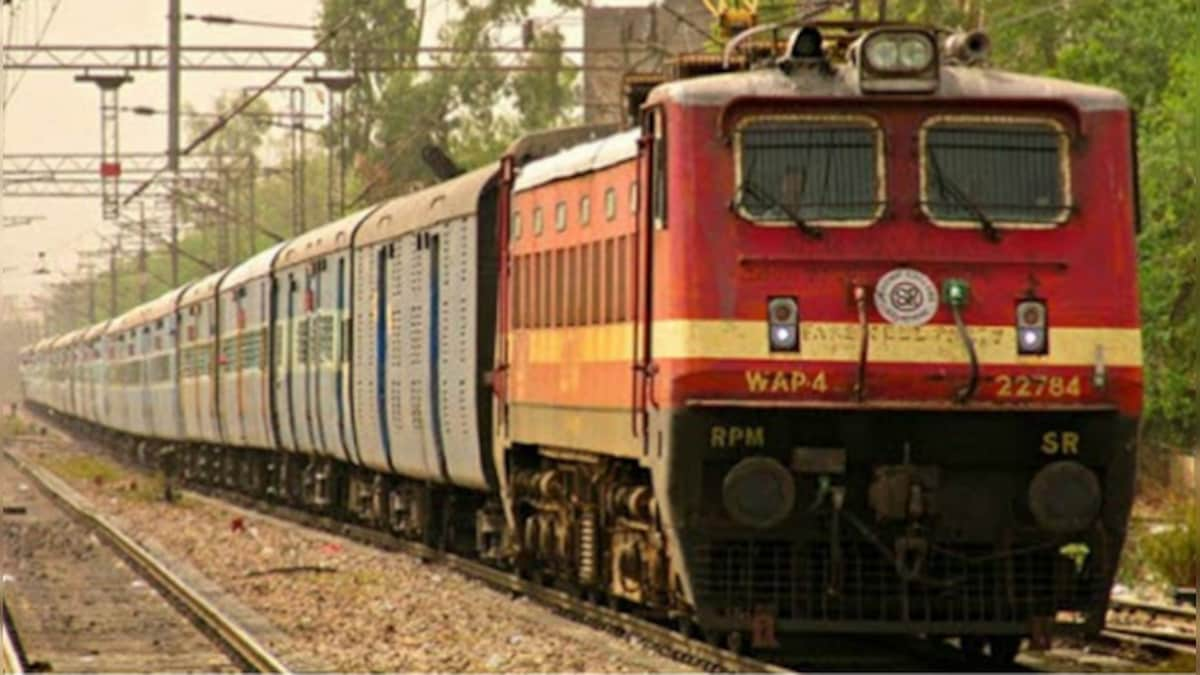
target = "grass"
x: 1180, y: 663
x: 1165, y: 550
x: 11, y: 427
x: 108, y: 475
x: 1174, y: 553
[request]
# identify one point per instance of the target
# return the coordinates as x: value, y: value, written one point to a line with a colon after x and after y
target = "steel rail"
x: 10, y: 655
x: 231, y: 636
x: 660, y: 637
x: 1159, y: 643
x: 1129, y: 604
x: 664, y: 637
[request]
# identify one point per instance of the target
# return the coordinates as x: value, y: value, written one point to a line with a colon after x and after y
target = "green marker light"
x: 956, y: 292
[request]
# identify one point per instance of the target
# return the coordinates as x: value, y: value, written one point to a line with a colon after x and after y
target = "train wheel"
x: 1004, y: 649
x: 972, y: 647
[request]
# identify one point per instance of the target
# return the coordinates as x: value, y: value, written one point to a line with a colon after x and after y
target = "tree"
x: 468, y: 107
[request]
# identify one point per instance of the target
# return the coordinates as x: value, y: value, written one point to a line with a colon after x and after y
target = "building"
x: 625, y: 40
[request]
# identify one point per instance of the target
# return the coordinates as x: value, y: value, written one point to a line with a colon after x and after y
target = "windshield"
x: 1008, y: 172
x: 812, y: 170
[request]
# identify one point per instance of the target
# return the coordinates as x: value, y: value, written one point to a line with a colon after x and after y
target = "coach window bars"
x: 995, y: 172
x: 809, y: 170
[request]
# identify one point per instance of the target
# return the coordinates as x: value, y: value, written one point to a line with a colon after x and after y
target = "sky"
x: 52, y: 113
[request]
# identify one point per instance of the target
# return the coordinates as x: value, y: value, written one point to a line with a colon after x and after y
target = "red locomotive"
x: 839, y: 338
x: 840, y: 346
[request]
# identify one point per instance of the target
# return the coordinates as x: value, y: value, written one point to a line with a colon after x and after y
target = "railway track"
x: 1154, y: 626
x: 658, y: 637
x: 661, y: 638
x: 11, y: 661
x: 251, y: 655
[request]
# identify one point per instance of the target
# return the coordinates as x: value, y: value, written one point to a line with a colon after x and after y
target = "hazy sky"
x: 52, y: 113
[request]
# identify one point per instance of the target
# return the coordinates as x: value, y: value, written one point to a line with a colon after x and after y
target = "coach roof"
x: 955, y: 82
x: 452, y: 199
x: 256, y: 266
x: 578, y: 160
x: 202, y: 290
x: 97, y: 330
x: 67, y: 339
x: 321, y: 241
x: 147, y: 312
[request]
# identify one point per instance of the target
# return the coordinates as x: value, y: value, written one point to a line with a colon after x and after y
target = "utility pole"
x: 222, y: 199
x: 252, y: 171
x: 174, y: 19
x: 112, y: 279
x: 336, y: 85
x: 143, y: 273
x: 299, y: 182
x: 89, y: 270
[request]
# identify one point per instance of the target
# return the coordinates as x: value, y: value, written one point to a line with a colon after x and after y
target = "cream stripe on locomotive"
x: 833, y: 342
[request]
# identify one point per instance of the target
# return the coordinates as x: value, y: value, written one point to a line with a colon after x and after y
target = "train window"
x: 811, y: 170
x: 516, y: 225
x: 585, y: 210
x: 537, y: 221
x: 1013, y: 172
x: 610, y: 203
x: 560, y: 216
x: 633, y: 197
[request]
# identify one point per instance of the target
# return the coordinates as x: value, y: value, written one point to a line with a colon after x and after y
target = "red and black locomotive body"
x: 868, y: 338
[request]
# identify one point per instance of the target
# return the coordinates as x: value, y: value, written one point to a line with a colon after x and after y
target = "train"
x: 838, y: 335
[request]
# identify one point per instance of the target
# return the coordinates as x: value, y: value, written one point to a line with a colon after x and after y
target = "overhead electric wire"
x: 10, y: 93
x: 241, y: 105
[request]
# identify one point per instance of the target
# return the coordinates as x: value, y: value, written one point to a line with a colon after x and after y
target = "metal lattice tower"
x: 110, y: 139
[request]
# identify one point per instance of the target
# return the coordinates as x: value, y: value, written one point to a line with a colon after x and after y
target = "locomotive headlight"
x: 1065, y: 497
x: 883, y: 53
x: 783, y: 331
x: 1031, y: 328
x: 901, y: 61
x: 899, y: 51
x: 915, y: 53
x: 759, y: 492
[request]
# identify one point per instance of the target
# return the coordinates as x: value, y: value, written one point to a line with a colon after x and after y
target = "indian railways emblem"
x: 906, y: 297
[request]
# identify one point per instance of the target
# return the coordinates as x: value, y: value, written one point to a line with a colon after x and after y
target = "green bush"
x: 1174, y: 554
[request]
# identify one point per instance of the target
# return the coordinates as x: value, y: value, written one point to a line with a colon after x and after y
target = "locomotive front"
x: 892, y: 362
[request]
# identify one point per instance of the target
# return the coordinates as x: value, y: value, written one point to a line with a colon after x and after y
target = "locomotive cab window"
x: 799, y: 170
x: 1013, y: 172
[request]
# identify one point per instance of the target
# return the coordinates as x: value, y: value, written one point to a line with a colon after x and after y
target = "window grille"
x: 1011, y: 172
x: 811, y: 170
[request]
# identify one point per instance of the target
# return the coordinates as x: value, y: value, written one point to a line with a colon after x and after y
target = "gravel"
x: 346, y: 606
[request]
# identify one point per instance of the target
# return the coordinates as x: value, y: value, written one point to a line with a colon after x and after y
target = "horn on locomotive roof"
x: 968, y: 48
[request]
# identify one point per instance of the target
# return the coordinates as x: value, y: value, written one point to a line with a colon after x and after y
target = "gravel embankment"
x: 346, y: 606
